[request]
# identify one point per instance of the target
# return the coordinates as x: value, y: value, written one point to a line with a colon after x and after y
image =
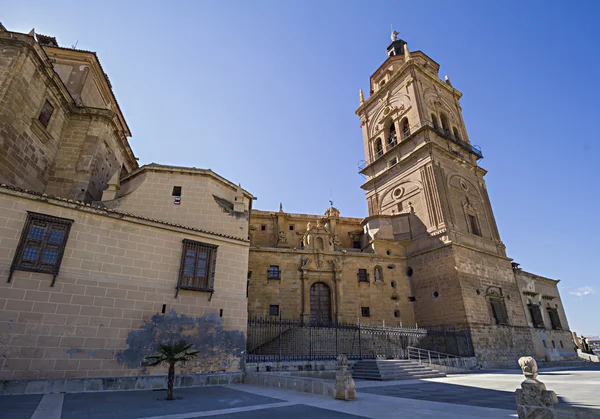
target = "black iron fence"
x: 278, y: 339
x: 449, y: 340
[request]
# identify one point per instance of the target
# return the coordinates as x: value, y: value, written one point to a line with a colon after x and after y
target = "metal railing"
x: 278, y: 339
x: 444, y: 133
x: 424, y: 356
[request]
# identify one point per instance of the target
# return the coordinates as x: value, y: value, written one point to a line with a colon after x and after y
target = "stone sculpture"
x: 533, y: 400
x: 345, y: 388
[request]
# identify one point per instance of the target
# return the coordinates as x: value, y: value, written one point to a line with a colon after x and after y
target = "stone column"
x: 533, y: 400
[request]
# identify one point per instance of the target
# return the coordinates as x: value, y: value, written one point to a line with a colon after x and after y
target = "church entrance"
x: 320, y: 303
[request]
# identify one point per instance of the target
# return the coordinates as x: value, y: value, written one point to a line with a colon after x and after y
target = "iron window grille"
x: 499, y: 310
x: 273, y: 272
x: 42, y: 245
x: 536, y: 315
x: 554, y: 319
x: 365, y: 311
x: 198, y: 266
x: 363, y: 275
x: 46, y: 114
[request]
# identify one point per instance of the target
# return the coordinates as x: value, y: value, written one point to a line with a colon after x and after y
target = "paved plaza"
x: 480, y: 395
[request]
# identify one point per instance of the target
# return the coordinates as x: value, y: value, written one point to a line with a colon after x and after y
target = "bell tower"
x: 424, y: 186
x: 418, y: 156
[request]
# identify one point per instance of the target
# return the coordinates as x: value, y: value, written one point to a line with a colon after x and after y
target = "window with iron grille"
x: 46, y: 114
x: 365, y: 311
x: 274, y: 272
x: 363, y: 275
x: 499, y: 310
x: 273, y: 310
x: 42, y: 244
x: 536, y: 315
x: 198, y: 263
x: 554, y: 319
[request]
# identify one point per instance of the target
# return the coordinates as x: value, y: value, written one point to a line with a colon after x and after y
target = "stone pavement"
x: 481, y: 395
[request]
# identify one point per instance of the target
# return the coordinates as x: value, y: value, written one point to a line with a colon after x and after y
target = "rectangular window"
x: 393, y: 162
x: 554, y: 319
x: 273, y: 310
x: 198, y: 263
x: 42, y: 244
x: 46, y: 114
x: 544, y: 342
x: 263, y: 227
x: 474, y: 225
x: 365, y: 311
x: 176, y: 191
x: 363, y: 275
x: 274, y: 272
x: 291, y: 228
x: 499, y: 310
x: 356, y: 244
x: 536, y: 315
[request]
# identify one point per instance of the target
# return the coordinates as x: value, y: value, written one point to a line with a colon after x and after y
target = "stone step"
x: 387, y: 370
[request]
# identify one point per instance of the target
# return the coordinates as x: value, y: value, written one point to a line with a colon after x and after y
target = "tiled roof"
x: 109, y: 211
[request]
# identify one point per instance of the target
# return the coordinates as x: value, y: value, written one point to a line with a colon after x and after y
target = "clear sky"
x: 264, y: 93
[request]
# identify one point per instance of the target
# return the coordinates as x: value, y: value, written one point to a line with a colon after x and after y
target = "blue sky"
x: 264, y: 93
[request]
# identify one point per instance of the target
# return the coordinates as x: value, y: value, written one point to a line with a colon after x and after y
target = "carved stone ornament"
x: 529, y: 367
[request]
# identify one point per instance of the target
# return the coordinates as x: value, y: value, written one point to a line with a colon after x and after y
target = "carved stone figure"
x: 529, y: 367
x: 282, y: 238
x: 533, y: 400
x: 394, y: 36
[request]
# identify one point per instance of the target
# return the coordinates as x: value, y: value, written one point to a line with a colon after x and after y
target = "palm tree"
x: 172, y: 354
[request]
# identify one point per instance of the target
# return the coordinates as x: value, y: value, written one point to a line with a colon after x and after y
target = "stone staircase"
x: 393, y: 369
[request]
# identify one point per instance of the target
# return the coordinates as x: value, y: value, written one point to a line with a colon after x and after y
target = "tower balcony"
x: 413, y: 134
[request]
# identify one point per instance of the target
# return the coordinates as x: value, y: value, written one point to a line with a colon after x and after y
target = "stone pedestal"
x: 533, y: 400
x: 345, y: 388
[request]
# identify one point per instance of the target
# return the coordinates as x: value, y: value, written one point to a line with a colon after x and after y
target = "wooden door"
x: 320, y: 303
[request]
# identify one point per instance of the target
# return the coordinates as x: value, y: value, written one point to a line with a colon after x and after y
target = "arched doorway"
x: 320, y: 303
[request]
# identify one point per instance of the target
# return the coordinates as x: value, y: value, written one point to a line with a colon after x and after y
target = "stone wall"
x: 206, y: 199
x: 387, y: 299
x: 79, y: 149
x: 117, y: 278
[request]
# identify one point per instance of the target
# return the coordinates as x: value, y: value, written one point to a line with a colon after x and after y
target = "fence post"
x: 310, y: 343
x: 429, y: 354
x: 336, y: 337
x: 359, y: 341
x: 280, y: 333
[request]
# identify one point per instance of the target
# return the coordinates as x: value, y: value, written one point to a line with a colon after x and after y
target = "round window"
x: 397, y: 314
x: 436, y: 294
x: 398, y: 192
x: 393, y: 284
x: 409, y: 271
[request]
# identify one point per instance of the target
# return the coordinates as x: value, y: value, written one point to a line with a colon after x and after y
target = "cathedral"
x: 98, y: 254
x: 429, y: 252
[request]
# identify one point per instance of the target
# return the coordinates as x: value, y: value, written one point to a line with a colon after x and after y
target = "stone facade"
x: 150, y: 254
x: 83, y: 142
x: 551, y: 338
x: 429, y: 252
x: 430, y: 218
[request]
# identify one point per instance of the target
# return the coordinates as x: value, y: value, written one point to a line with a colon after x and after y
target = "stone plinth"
x: 345, y: 388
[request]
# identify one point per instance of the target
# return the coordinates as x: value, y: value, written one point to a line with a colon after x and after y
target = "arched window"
x: 455, y: 132
x: 444, y: 120
x: 378, y: 274
x: 392, y: 138
x: 405, y: 128
x: 434, y: 121
x: 497, y: 305
x: 378, y: 148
